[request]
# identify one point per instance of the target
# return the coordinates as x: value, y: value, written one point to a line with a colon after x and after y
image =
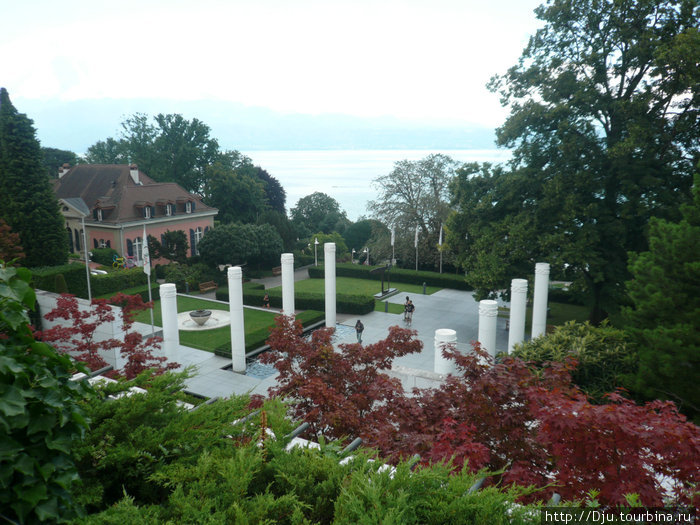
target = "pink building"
x: 115, y: 201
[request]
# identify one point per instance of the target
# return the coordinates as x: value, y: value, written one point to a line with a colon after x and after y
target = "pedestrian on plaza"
x: 405, y: 309
x: 410, y: 308
x: 266, y: 301
x: 359, y: 328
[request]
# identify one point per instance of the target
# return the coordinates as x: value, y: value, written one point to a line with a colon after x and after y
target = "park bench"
x: 208, y: 286
x: 277, y: 270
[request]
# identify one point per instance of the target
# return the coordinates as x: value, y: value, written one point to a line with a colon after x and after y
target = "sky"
x: 424, y: 60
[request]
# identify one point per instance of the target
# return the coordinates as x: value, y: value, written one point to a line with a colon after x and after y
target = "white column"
x: 168, y: 310
x: 329, y: 270
x: 288, y: 283
x: 539, y: 303
x: 488, y: 315
x: 235, y: 300
x: 443, y: 337
x: 518, y: 306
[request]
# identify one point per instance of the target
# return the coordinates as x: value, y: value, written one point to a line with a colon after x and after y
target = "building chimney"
x: 63, y: 170
x: 134, y: 172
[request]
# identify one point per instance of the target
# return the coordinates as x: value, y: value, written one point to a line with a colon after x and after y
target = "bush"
x: 104, y: 256
x: 160, y: 271
x: 604, y: 354
x: 557, y: 295
x: 44, y: 278
x: 141, y: 290
x: 396, y: 275
x: 222, y: 291
x: 191, y: 275
x: 117, y: 281
x: 345, y: 304
x: 60, y: 284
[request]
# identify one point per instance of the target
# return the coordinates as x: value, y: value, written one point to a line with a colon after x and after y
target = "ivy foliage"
x: 40, y: 416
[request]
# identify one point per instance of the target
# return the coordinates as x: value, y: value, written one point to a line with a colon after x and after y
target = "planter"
x: 200, y: 316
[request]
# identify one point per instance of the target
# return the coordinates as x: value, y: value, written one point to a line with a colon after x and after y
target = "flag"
x: 440, y: 241
x: 146, y: 255
x: 415, y: 242
x: 392, y: 236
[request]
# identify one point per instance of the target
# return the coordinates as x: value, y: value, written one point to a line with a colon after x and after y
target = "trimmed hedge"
x: 557, y: 295
x: 222, y: 291
x: 257, y: 338
x: 345, y: 304
x: 44, y: 278
x: 104, y: 256
x: 397, y: 275
x: 75, y: 278
x: 138, y: 290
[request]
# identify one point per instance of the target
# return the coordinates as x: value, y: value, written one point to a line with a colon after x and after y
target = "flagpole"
x: 440, y: 243
x: 416, y: 245
x: 147, y: 271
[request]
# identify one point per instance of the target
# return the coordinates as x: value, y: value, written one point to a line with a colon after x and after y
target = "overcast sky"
x: 417, y: 59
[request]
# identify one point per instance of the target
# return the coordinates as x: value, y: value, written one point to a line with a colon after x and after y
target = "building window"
x: 168, y: 210
x: 77, y: 240
x: 197, y: 237
x: 138, y: 248
x: 188, y: 207
x: 147, y: 212
x: 99, y: 215
x: 102, y: 243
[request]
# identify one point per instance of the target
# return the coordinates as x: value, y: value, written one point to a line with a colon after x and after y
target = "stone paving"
x: 444, y: 309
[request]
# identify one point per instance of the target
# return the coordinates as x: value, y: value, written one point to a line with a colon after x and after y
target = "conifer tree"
x: 29, y: 205
x: 666, y: 312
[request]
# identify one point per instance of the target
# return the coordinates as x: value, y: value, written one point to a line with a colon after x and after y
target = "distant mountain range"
x: 76, y: 125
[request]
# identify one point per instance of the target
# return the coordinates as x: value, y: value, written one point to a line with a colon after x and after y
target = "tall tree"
x: 415, y: 195
x: 29, y: 205
x: 665, y: 315
x: 604, y: 116
x: 55, y: 158
x: 238, y: 196
x: 274, y: 192
x: 318, y: 211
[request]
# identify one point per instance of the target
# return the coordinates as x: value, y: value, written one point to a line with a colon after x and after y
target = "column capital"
x: 167, y: 290
x: 234, y: 272
x: 518, y: 285
x: 488, y: 308
x: 287, y: 258
x: 445, y: 335
x: 329, y: 247
x: 542, y: 268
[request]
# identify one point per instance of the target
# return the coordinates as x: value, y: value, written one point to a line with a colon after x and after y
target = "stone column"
x: 168, y: 309
x: 235, y: 300
x: 539, y: 303
x: 518, y: 306
x: 488, y: 315
x: 329, y: 269
x: 443, y: 337
x: 288, y: 283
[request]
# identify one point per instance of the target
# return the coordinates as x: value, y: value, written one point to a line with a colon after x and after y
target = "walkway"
x: 444, y: 309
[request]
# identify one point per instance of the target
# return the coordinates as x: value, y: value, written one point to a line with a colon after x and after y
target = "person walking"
x: 405, y: 309
x: 359, y: 328
x: 266, y: 301
x: 410, y: 308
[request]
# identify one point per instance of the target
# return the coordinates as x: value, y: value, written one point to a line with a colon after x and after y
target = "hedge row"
x: 557, y: 295
x: 138, y: 290
x: 345, y: 304
x: 396, y: 275
x: 75, y: 279
x: 257, y: 338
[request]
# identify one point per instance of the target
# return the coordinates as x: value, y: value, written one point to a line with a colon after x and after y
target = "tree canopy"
x: 603, y: 126
x: 30, y: 206
x: 239, y: 196
x: 318, y: 211
x: 241, y: 243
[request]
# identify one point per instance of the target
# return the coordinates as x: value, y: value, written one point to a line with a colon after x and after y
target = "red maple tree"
x: 77, y: 335
x: 531, y: 425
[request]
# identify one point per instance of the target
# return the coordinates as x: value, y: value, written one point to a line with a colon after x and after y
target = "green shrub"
x: 160, y: 271
x: 222, y: 291
x: 117, y: 281
x: 345, y: 304
x: 104, y: 256
x: 557, y: 295
x: 44, y: 278
x: 604, y: 354
x: 60, y: 285
x: 396, y: 275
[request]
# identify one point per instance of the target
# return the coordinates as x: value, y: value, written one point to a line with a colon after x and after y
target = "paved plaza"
x: 446, y: 308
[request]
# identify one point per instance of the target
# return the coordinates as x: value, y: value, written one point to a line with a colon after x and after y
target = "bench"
x: 208, y: 286
x: 277, y: 270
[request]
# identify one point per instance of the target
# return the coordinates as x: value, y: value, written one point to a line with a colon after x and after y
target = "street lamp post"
x: 316, y: 252
x: 353, y: 256
x: 367, y: 252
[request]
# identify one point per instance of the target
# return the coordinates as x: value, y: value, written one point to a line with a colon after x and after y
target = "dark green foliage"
x: 318, y: 211
x: 60, y: 284
x: 29, y: 205
x: 238, y: 195
x: 665, y: 315
x: 174, y: 246
x: 40, y: 419
x: 397, y: 275
x: 257, y: 245
x: 55, y: 158
x: 557, y: 295
x: 606, y: 358
x: 357, y: 235
x: 603, y: 127
x: 274, y: 192
x: 283, y: 226
x: 116, y: 281
x: 345, y: 304
x: 44, y: 278
x: 103, y: 256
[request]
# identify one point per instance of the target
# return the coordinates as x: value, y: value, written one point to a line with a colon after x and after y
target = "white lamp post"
x: 316, y: 252
x: 367, y: 252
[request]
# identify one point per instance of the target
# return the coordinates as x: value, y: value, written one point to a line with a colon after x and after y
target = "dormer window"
x: 168, y: 210
x: 147, y: 212
x: 99, y: 214
x: 188, y: 207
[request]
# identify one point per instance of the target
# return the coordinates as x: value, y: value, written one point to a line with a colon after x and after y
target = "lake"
x: 347, y: 175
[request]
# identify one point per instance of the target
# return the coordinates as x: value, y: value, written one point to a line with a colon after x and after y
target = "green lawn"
x: 256, y: 322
